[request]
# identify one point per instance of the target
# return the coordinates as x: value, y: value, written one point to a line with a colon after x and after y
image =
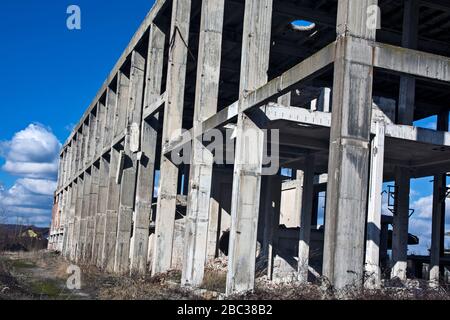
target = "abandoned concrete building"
x: 329, y: 90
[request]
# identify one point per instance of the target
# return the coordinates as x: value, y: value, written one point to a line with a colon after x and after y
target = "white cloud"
x: 33, y: 156
x: 32, y: 152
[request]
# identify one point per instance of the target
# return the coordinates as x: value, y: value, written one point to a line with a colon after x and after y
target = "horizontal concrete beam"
x: 412, y: 62
x: 270, y: 91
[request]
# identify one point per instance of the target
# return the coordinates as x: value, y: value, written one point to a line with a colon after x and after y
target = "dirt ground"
x: 43, y: 276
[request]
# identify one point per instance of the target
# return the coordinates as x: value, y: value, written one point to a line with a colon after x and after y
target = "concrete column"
x: 272, y: 195
x: 84, y: 239
x: 201, y: 169
x: 129, y: 174
x: 401, y: 221
x: 373, y: 271
x: 348, y: 168
x: 123, y: 93
x: 78, y: 224
x: 146, y: 161
x: 249, y: 150
x: 305, y: 220
x: 112, y: 207
x: 438, y: 220
x: 101, y: 211
x: 173, y: 120
x: 408, y: 83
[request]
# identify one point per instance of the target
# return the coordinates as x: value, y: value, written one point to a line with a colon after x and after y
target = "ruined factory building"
x: 226, y: 123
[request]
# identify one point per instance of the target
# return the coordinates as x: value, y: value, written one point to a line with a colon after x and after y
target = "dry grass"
x: 215, y: 280
x: 42, y: 276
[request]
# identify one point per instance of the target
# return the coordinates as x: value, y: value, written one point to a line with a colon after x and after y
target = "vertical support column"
x: 93, y: 210
x: 128, y: 183
x: 78, y: 212
x: 273, y: 203
x: 84, y: 238
x: 146, y: 161
x: 438, y: 220
x: 173, y: 120
x: 110, y: 235
x: 103, y: 183
x: 408, y: 83
x: 123, y: 93
x: 201, y: 170
x: 373, y: 270
x: 305, y: 220
x: 67, y: 203
x: 249, y: 150
x: 401, y: 220
x: 349, y: 148
x: 405, y: 117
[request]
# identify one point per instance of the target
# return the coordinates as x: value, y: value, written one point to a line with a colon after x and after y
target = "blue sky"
x: 50, y: 74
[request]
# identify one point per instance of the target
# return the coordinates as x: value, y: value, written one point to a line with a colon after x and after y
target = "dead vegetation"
x: 42, y: 275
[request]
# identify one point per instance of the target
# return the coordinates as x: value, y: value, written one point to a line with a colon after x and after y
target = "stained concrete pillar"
x: 93, y: 201
x: 147, y: 157
x: 85, y: 241
x: 305, y: 219
x: 129, y: 172
x: 112, y: 207
x: 78, y: 224
x: 102, y: 196
x: 373, y: 271
x: 400, y: 225
x: 272, y: 189
x: 439, y: 208
x: 201, y: 169
x: 249, y: 150
x: 173, y: 120
x: 348, y: 167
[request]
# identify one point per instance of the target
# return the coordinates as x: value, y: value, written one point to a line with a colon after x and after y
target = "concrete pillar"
x: 146, y: 161
x: 408, y: 83
x: 249, y: 150
x: 348, y: 168
x: 201, y: 169
x: 112, y: 206
x: 272, y: 196
x: 400, y: 226
x: 78, y: 224
x: 305, y: 220
x: 85, y: 242
x: 101, y: 211
x: 93, y: 203
x: 438, y: 220
x: 129, y: 174
x: 373, y: 271
x: 173, y: 120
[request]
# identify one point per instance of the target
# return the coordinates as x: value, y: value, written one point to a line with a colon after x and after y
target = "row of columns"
x: 110, y: 202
